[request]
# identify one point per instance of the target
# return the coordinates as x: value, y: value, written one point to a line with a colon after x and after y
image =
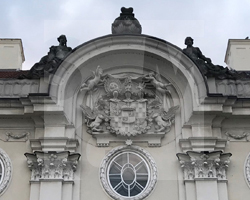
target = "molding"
x: 18, y: 88
x: 52, y: 166
x: 153, y: 140
x: 113, y: 153
x: 247, y: 170
x: 7, y: 171
x: 202, y: 144
x: 204, y: 165
x: 54, y: 144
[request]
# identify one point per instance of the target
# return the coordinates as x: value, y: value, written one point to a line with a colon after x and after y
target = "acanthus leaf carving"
x: 205, y: 165
x: 52, y: 165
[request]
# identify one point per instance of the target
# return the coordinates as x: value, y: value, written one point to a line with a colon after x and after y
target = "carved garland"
x: 7, y: 171
x: 114, y: 152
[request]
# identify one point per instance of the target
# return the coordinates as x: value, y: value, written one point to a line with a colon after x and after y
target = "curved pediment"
x: 134, y: 54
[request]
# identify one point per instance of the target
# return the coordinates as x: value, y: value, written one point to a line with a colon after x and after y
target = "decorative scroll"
x: 201, y: 165
x: 52, y: 165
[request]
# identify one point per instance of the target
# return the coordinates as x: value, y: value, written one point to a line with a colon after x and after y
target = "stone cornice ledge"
x: 202, y: 144
x: 54, y: 144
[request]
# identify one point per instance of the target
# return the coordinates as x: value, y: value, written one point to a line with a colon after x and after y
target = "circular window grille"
x: 128, y: 173
x: 5, y: 171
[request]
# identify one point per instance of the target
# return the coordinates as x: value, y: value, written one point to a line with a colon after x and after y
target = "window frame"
x: 115, y: 153
x: 6, y: 164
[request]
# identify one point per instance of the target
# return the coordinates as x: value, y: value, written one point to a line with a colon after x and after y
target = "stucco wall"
x: 237, y: 185
x: 19, y: 187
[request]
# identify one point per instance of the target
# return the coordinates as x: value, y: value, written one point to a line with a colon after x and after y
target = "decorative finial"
x: 126, y: 23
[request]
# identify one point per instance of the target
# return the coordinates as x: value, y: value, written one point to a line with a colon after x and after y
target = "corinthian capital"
x: 52, y: 165
x: 204, y: 165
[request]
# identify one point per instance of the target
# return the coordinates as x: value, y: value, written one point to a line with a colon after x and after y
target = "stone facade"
x: 125, y: 95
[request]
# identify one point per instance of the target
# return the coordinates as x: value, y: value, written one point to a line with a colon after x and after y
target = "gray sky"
x: 39, y: 22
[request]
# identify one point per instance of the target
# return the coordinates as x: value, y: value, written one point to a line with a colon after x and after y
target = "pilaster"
x: 50, y: 171
x: 205, y: 174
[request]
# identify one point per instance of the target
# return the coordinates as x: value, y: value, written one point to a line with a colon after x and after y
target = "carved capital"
x: 52, y: 165
x: 204, y: 165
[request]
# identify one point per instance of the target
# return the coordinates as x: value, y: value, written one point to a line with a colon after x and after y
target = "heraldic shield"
x: 127, y: 104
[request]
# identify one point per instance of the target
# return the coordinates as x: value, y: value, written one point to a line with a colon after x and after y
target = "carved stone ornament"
x: 105, y: 167
x: 247, y: 170
x: 6, y: 171
x: 52, y: 165
x: 126, y: 23
x: 242, y: 136
x: 19, y: 136
x: 204, y: 165
x: 127, y: 104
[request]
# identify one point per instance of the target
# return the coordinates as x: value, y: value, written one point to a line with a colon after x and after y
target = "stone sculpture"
x: 49, y: 63
x: 127, y: 104
x: 162, y: 88
x: 126, y: 23
x: 205, y: 64
x: 92, y: 83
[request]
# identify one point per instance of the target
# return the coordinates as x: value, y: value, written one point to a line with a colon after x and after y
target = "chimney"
x: 238, y: 54
x: 11, y: 54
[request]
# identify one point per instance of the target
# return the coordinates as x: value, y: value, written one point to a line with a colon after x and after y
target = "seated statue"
x: 205, y: 64
x: 49, y: 63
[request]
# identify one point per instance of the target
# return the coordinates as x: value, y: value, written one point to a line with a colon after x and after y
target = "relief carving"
x: 52, y: 165
x: 127, y: 104
x: 205, y: 165
x: 247, y: 170
x: 17, y: 136
x: 6, y: 172
x: 238, y: 136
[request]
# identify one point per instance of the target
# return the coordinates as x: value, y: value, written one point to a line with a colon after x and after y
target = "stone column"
x: 205, y: 174
x: 52, y: 174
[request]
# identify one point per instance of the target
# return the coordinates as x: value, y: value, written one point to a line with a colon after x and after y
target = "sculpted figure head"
x: 62, y: 40
x: 189, y: 41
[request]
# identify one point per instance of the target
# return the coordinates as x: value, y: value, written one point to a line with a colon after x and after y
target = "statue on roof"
x: 205, y: 64
x: 49, y: 63
x: 126, y: 23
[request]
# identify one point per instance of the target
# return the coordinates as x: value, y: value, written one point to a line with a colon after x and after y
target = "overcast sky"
x: 39, y: 22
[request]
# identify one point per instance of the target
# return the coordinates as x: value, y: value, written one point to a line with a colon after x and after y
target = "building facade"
x: 125, y: 116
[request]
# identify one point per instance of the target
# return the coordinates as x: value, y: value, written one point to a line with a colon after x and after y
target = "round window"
x: 1, y: 172
x: 5, y: 171
x: 130, y: 173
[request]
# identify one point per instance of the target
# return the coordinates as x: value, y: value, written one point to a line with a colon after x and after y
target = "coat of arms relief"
x: 127, y: 105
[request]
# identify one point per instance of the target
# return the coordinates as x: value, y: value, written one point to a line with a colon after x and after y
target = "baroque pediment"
x: 127, y: 106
